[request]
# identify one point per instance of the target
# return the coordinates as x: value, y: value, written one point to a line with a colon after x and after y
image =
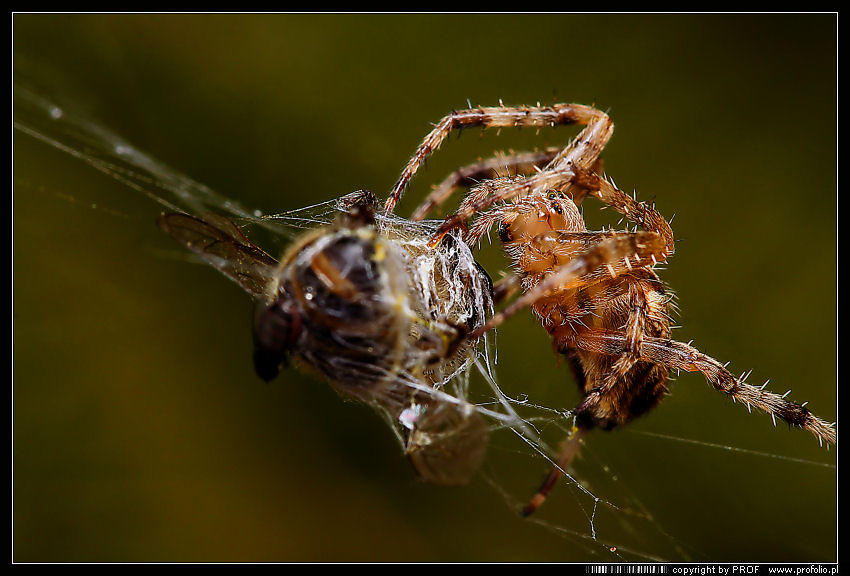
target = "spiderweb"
x: 598, y: 512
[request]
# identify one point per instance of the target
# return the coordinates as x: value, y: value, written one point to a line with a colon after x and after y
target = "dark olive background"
x: 140, y: 432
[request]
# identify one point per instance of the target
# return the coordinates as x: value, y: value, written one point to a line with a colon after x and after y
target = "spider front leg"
x: 472, y: 175
x: 583, y: 152
x: 488, y: 175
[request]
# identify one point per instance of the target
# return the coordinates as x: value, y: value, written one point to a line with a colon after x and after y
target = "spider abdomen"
x: 635, y: 393
x: 634, y: 306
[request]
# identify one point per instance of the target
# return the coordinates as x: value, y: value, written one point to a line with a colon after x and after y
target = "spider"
x: 595, y: 292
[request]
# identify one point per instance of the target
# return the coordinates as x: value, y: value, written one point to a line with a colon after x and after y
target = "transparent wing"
x: 220, y: 243
x: 446, y: 441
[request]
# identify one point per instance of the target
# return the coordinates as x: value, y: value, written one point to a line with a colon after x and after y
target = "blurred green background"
x: 140, y: 432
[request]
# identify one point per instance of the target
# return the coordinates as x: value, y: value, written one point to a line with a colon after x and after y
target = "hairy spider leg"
x: 583, y: 152
x: 676, y: 355
x: 471, y: 175
x: 569, y: 449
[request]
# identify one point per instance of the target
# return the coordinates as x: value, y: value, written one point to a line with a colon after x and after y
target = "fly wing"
x: 446, y: 442
x: 220, y: 243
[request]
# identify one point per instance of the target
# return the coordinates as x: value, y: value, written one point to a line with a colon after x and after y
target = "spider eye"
x: 552, y: 196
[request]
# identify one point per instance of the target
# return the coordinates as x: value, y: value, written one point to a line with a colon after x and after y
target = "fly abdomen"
x: 341, y: 279
x: 349, y: 297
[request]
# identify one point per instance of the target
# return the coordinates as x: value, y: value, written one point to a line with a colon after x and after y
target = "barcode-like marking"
x: 626, y: 569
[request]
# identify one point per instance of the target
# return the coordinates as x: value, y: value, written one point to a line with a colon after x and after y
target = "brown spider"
x: 596, y: 293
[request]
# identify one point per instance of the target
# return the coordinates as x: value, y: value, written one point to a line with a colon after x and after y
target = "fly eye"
x: 277, y: 328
